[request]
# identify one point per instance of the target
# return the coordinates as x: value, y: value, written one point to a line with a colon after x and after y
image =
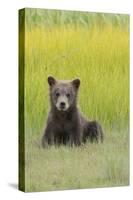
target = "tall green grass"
x: 49, y: 18
x: 95, y: 48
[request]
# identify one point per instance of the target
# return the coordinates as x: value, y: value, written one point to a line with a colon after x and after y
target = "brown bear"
x: 65, y: 124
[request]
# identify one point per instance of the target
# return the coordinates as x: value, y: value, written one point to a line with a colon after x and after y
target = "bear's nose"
x: 62, y: 104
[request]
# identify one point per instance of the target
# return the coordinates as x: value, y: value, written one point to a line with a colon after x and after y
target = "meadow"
x: 95, y: 48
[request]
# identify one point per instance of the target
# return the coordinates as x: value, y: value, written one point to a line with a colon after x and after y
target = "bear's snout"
x: 62, y: 105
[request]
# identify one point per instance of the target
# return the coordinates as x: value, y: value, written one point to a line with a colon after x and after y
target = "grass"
x: 99, y: 56
x: 89, y: 166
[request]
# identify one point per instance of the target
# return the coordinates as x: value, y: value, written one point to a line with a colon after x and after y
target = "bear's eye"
x: 68, y: 95
x: 57, y: 94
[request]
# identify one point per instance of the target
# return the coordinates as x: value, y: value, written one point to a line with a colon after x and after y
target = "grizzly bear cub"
x: 65, y: 124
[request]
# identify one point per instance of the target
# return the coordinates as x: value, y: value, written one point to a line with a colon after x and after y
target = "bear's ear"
x: 76, y: 83
x: 51, y: 81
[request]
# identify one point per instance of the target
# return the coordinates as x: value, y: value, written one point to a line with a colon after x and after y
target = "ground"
x: 91, y: 165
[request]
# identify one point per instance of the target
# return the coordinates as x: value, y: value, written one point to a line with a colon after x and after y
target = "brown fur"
x: 65, y: 124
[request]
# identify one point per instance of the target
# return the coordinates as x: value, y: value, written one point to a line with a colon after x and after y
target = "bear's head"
x: 63, y: 93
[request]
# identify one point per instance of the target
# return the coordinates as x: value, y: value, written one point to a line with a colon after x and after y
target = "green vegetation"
x: 95, y: 48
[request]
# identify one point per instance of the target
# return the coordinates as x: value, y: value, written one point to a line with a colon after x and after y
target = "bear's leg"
x: 75, y: 138
x: 93, y: 131
x: 48, y: 137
